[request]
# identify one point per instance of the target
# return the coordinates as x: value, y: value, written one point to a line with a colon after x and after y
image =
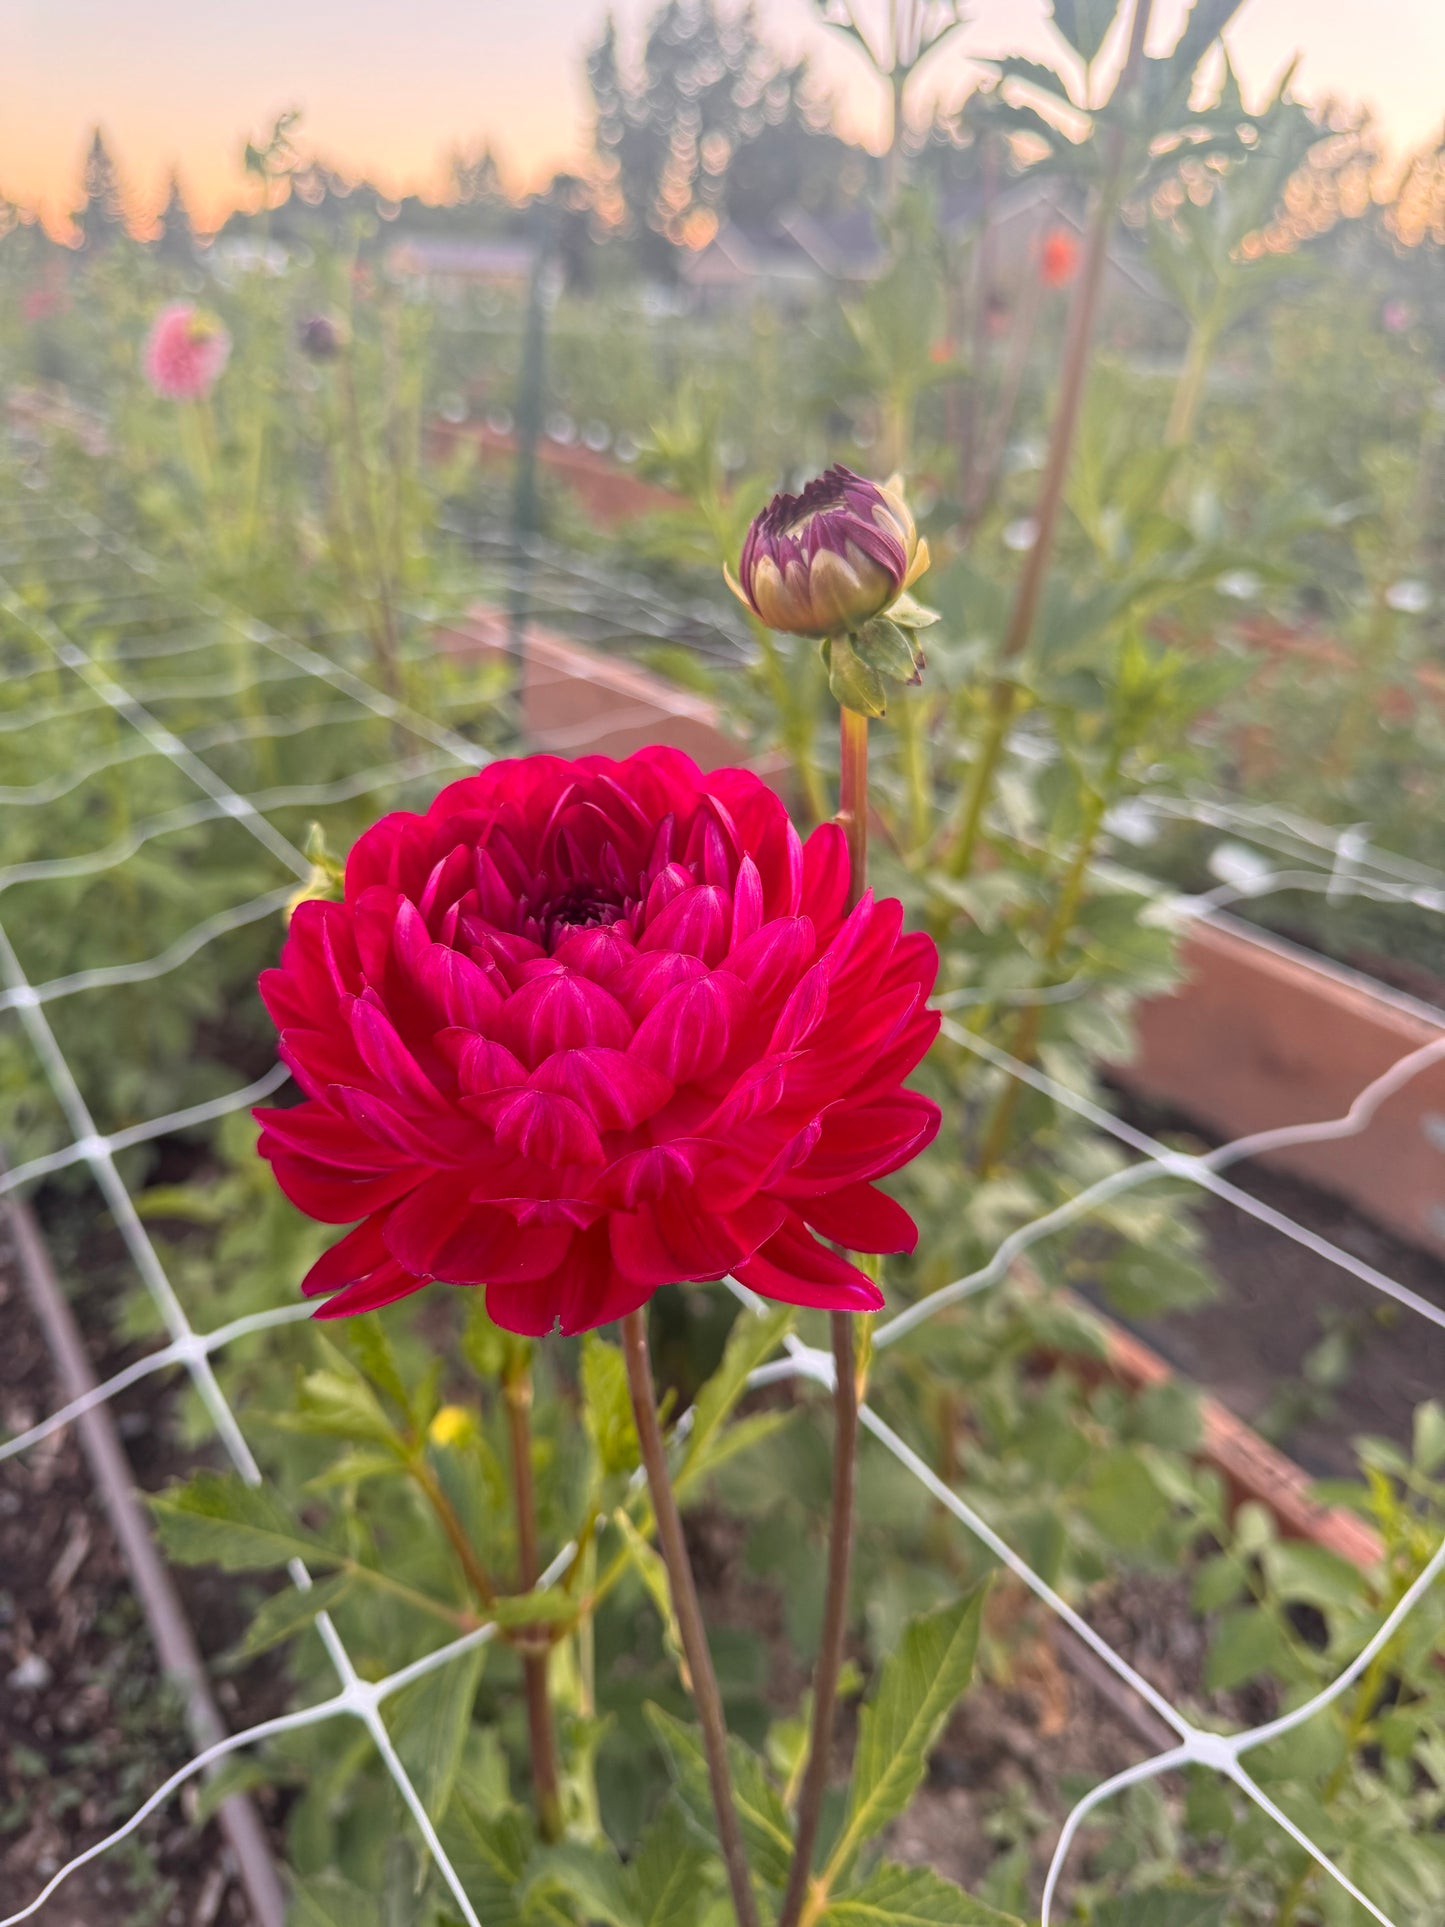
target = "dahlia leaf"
x: 330, y: 1901
x: 901, y: 1724
x: 669, y: 1873
x: 216, y: 1519
x: 607, y: 1406
x: 490, y: 1853
x: 590, y: 1875
x: 895, y: 1896
x: 287, y: 1613
x: 761, y: 1814
x: 428, y: 1721
x: 753, y: 1337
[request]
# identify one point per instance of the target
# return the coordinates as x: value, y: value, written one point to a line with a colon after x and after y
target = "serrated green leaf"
x: 339, y: 1405
x: 761, y: 1814
x: 753, y: 1337
x: 330, y: 1901
x: 287, y: 1613
x: 428, y: 1720
x: 896, y: 1896
x: 1246, y: 1642
x: 373, y: 1349
x: 1164, y: 1907
x: 607, y: 1406
x: 898, y: 1728
x: 590, y: 1875
x: 651, y: 1568
x: 669, y: 1873
x: 217, y: 1519
x: 490, y: 1854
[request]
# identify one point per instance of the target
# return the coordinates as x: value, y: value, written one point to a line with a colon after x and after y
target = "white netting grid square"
x: 1302, y: 855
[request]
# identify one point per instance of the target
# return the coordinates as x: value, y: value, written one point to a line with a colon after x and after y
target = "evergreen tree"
x: 177, y: 238
x: 712, y: 126
x: 101, y: 216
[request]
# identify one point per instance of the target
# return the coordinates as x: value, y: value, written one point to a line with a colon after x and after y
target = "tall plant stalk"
x: 702, y: 1678
x: 1003, y: 693
x: 517, y: 1396
x: 853, y: 817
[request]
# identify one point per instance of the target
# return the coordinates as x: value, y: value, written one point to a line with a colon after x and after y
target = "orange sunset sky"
x: 388, y: 86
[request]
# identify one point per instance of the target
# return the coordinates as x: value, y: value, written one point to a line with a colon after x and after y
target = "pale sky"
x: 387, y: 86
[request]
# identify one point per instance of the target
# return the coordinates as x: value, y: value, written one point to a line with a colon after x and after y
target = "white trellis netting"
x: 1340, y: 863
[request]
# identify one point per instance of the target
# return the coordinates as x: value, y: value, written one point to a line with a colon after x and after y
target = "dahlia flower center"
x: 582, y: 906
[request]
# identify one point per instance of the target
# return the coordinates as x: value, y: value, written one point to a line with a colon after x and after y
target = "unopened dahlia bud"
x: 320, y: 338
x: 826, y: 561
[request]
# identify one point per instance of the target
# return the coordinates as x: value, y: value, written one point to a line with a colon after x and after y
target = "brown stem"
x: 477, y: 1576
x: 1073, y: 381
x: 706, y: 1697
x: 546, y: 1786
x: 835, y: 1618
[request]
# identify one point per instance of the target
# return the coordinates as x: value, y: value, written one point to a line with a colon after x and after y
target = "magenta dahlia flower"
x: 185, y: 352
x: 826, y: 561
x: 586, y: 1029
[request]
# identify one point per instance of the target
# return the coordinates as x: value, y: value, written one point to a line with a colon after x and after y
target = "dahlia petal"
x: 795, y: 1269
x: 313, y: 1130
x: 759, y: 1089
x: 449, y: 878
x: 422, y: 1223
x: 489, y: 1247
x: 861, y: 1218
x: 694, y: 924
x: 460, y: 991
x: 747, y: 903
x: 385, y: 1285
x: 687, y: 1035
x: 605, y: 954
x: 773, y: 958
x: 324, y: 1194
x: 803, y: 1012
x: 642, y: 1176
x: 484, y: 1066
x: 430, y: 1140
x: 865, y: 1141
x: 355, y: 1256
x: 617, y: 1091
x: 377, y: 854
x: 387, y: 1057
x: 544, y: 1126
x: 666, y: 885
x: 560, y: 1011
x: 652, y: 977
x: 826, y: 875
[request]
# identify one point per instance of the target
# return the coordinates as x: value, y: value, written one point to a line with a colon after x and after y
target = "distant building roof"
x: 425, y: 256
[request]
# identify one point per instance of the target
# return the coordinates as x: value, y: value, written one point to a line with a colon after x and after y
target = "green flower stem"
x: 546, y: 1785
x: 853, y: 816
x: 1003, y: 696
x: 702, y: 1678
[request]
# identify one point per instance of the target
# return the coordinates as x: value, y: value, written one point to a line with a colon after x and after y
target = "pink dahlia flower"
x: 185, y: 352
x: 585, y: 1029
